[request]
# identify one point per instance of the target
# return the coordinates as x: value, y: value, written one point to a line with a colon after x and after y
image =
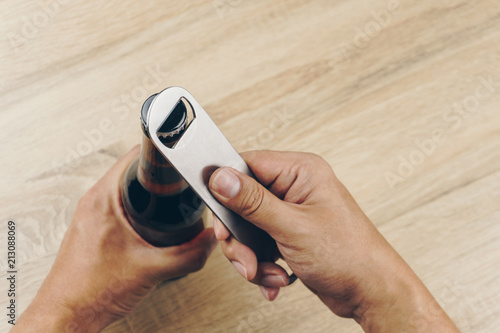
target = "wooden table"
x: 401, y: 97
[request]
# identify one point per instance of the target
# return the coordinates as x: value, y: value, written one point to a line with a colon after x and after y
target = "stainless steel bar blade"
x: 202, y: 149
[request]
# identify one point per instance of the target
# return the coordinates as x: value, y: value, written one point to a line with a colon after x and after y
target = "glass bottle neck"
x: 155, y: 173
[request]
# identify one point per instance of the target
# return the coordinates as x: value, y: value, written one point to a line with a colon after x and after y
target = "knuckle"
x: 228, y: 250
x: 94, y: 201
x: 314, y: 161
x: 313, y: 164
x: 252, y: 201
x: 199, y: 261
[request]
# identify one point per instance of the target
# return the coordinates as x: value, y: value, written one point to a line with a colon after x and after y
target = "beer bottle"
x: 159, y: 204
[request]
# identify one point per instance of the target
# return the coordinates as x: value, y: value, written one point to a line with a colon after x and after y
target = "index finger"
x: 267, y: 165
x: 277, y: 170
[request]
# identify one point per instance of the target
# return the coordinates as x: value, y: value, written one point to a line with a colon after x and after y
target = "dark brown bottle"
x: 158, y: 203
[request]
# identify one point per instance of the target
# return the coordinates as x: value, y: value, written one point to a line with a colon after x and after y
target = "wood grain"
x: 396, y: 98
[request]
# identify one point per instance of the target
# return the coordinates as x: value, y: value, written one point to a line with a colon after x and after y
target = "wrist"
x: 396, y: 304
x: 48, y: 314
x: 44, y: 316
x: 402, y: 303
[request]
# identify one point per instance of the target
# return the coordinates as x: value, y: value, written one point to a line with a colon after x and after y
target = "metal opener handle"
x: 200, y: 150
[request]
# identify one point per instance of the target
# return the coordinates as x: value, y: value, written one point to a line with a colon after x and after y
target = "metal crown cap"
x: 175, y: 123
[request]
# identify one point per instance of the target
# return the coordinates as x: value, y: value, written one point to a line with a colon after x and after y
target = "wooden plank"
x: 379, y: 105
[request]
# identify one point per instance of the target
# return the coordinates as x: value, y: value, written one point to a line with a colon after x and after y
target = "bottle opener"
x: 196, y: 150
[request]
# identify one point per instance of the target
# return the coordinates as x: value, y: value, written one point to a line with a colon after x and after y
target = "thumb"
x: 246, y: 197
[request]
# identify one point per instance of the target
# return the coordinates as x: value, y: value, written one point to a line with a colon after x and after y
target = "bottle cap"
x: 145, y: 112
x: 175, y: 123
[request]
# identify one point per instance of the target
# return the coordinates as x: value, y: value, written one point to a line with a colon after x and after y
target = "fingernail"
x: 226, y: 183
x: 216, y: 227
x: 240, y: 268
x: 264, y: 292
x: 273, y: 281
x: 269, y: 293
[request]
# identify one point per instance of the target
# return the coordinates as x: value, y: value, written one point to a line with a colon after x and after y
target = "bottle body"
x: 159, y: 204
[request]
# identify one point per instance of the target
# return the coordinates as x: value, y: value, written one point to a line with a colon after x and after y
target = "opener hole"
x: 177, y: 122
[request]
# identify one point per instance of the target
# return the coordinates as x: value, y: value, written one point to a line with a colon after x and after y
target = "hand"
x: 104, y: 269
x: 326, y: 240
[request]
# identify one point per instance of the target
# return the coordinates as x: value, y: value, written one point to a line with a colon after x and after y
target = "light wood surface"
x: 377, y: 95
